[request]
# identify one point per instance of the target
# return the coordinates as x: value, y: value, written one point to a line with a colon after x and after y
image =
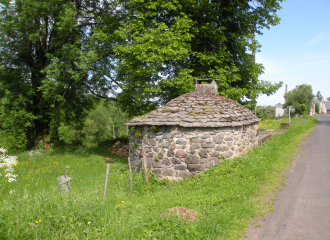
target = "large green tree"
x: 51, y: 59
x: 170, y: 44
x: 300, y: 98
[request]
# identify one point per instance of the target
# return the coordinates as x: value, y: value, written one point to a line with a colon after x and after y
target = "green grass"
x: 276, y: 123
x: 227, y: 197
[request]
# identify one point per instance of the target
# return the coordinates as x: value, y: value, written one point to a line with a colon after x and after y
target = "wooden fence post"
x: 145, y: 165
x: 106, y: 180
x: 130, y: 176
x: 64, y: 182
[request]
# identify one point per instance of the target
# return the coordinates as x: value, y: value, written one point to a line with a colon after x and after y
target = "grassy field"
x: 226, y: 198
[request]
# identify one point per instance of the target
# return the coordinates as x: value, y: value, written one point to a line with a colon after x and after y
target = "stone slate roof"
x: 327, y: 105
x: 198, y: 109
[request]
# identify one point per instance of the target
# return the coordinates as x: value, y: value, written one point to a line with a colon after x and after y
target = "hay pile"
x: 119, y: 149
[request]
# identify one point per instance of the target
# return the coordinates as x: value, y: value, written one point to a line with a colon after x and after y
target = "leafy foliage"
x: 300, y: 98
x: 265, y: 112
x: 174, y: 43
x: 318, y: 96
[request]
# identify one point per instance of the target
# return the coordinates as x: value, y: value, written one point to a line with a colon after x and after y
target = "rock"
x: 194, y: 146
x: 203, y: 153
x: 205, y: 136
x: 167, y: 162
x: 167, y: 136
x: 181, y: 141
x: 181, y: 154
x: 218, y: 138
x: 170, y: 153
x: 160, y: 155
x: 215, y: 154
x: 192, y: 159
x: 156, y: 164
x: 228, y: 138
x: 156, y: 149
x: 158, y: 172
x: 185, y: 174
x: 168, y: 172
x: 222, y: 148
x: 195, y: 167
x: 176, y: 161
x: 227, y: 154
x: 153, y: 142
x: 207, y: 145
x: 180, y: 167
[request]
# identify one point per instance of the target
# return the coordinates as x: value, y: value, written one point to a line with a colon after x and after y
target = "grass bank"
x: 226, y: 197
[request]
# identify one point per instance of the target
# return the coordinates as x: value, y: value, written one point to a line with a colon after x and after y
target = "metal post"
x: 289, y: 113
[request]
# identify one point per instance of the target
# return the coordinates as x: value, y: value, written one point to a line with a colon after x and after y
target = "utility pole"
x: 254, y: 61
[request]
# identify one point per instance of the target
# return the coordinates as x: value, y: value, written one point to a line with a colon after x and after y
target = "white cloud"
x: 322, y: 36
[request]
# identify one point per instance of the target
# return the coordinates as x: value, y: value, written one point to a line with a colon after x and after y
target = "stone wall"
x: 175, y: 152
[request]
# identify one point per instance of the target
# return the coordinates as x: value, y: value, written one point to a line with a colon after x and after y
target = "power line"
x: 286, y: 2
x: 297, y: 8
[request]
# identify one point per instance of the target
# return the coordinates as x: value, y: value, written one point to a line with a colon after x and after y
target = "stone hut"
x: 192, y: 133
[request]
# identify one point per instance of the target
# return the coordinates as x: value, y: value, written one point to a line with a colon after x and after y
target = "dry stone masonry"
x: 192, y: 133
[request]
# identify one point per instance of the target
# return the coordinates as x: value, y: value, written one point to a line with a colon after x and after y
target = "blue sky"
x: 297, y: 51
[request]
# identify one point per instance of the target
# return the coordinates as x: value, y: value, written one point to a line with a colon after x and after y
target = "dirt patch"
x: 182, y: 213
x: 119, y: 149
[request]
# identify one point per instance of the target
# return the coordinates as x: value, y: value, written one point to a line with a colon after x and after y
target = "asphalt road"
x: 302, y: 208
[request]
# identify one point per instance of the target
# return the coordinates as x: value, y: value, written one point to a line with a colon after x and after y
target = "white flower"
x: 7, y: 162
x: 12, y: 191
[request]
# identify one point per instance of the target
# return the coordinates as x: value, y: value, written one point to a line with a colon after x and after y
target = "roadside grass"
x: 227, y: 197
x: 276, y: 123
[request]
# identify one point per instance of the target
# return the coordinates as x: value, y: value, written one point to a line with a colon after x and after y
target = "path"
x: 302, y: 208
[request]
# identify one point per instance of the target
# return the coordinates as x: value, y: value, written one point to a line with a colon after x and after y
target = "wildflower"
x: 12, y: 191
x: 89, y: 223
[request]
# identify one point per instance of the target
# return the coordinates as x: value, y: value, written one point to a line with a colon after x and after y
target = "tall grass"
x: 226, y: 197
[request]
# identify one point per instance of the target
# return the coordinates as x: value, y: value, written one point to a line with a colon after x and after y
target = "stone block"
x: 197, y: 140
x: 218, y: 138
x: 160, y: 155
x: 203, y: 153
x: 185, y: 174
x: 205, y: 136
x: 156, y: 164
x: 153, y: 142
x: 192, y: 159
x: 181, y: 141
x: 215, y: 154
x: 172, y: 146
x: 156, y: 149
x: 168, y: 172
x: 167, y: 136
x: 228, y: 138
x: 176, y: 161
x: 180, y: 167
x: 158, y: 172
x: 181, y: 154
x: 170, y: 153
x: 195, y: 146
x: 195, y: 167
x: 207, y: 145
x: 167, y: 162
x: 227, y: 154
x: 222, y: 148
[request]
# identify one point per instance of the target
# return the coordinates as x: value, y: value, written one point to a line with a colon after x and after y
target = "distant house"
x: 327, y: 105
x: 279, y: 111
x: 322, y: 107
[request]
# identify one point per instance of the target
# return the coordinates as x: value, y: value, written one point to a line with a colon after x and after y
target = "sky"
x: 297, y: 50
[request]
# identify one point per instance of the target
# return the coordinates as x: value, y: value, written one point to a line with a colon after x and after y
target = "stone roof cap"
x: 198, y: 109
